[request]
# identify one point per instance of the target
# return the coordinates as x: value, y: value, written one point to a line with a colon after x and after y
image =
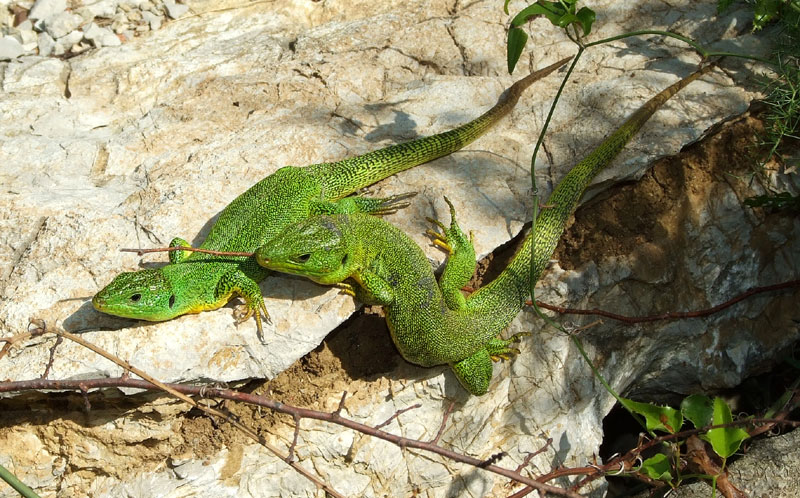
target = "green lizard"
x: 435, y: 324
x: 192, y: 283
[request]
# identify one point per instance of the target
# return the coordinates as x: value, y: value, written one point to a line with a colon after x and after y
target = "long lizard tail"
x: 345, y: 177
x: 511, y: 288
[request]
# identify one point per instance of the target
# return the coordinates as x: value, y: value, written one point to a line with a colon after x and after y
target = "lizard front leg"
x: 373, y: 289
x: 461, y: 261
x: 236, y: 282
x: 178, y: 256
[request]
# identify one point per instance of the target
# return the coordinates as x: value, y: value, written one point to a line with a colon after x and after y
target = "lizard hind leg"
x: 461, y: 262
x: 236, y: 282
x: 178, y: 256
x: 474, y: 372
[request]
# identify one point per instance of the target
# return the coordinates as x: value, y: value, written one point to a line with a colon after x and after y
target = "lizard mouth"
x: 99, y: 303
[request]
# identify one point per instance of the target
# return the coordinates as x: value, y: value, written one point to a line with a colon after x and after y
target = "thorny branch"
x: 673, y: 315
x: 624, y: 463
x: 153, y: 382
x: 183, y: 391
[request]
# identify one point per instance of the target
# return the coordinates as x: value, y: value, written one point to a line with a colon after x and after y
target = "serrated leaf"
x: 724, y: 440
x: 657, y: 418
x: 658, y: 467
x: 699, y: 409
x: 517, y: 38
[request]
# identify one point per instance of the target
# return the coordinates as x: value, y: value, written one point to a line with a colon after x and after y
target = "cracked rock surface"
x: 131, y: 145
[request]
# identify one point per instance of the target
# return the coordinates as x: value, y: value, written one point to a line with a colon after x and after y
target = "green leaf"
x: 552, y: 10
x: 658, y: 467
x: 505, y: 6
x: 586, y: 17
x: 783, y: 200
x: 764, y: 12
x: 779, y: 404
x: 656, y: 417
x: 699, y: 409
x: 517, y: 38
x: 724, y: 440
x: 560, y: 14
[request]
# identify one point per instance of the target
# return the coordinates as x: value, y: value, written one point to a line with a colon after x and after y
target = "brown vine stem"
x: 332, y: 417
x: 625, y: 463
x: 673, y: 315
x: 141, y: 252
x: 153, y: 382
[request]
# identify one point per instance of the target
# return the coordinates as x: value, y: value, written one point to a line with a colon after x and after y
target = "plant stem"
x: 15, y: 483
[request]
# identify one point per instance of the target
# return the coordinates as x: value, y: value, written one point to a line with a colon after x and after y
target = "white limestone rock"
x: 46, y: 44
x: 175, y: 10
x: 154, y: 20
x: 132, y: 145
x: 101, y: 8
x: 60, y: 25
x: 10, y: 48
x: 44, y: 9
x: 101, y: 37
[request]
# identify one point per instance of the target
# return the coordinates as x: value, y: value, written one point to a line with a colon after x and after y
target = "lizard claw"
x: 500, y: 349
x: 394, y: 203
x: 243, y: 312
x: 505, y: 356
x: 345, y: 289
x: 439, y: 239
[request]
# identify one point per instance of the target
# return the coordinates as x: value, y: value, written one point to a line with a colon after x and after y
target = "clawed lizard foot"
x: 243, y: 312
x: 394, y: 203
x: 499, y: 349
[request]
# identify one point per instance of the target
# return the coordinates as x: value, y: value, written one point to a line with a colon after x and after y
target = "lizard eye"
x: 172, y: 300
x: 303, y: 258
x: 136, y: 297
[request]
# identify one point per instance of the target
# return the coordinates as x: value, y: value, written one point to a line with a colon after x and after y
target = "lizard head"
x: 144, y: 295
x: 315, y: 248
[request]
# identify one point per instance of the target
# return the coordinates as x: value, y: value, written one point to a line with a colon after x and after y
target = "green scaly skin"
x: 434, y: 324
x: 195, y: 282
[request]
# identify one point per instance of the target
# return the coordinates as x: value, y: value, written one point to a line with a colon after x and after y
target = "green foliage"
x: 517, y: 38
x: 702, y: 412
x: 780, y: 201
x: 782, y: 92
x: 563, y: 14
x: 783, y: 99
x: 724, y: 440
x: 657, y: 418
x: 699, y: 409
x: 658, y: 467
x: 766, y: 11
